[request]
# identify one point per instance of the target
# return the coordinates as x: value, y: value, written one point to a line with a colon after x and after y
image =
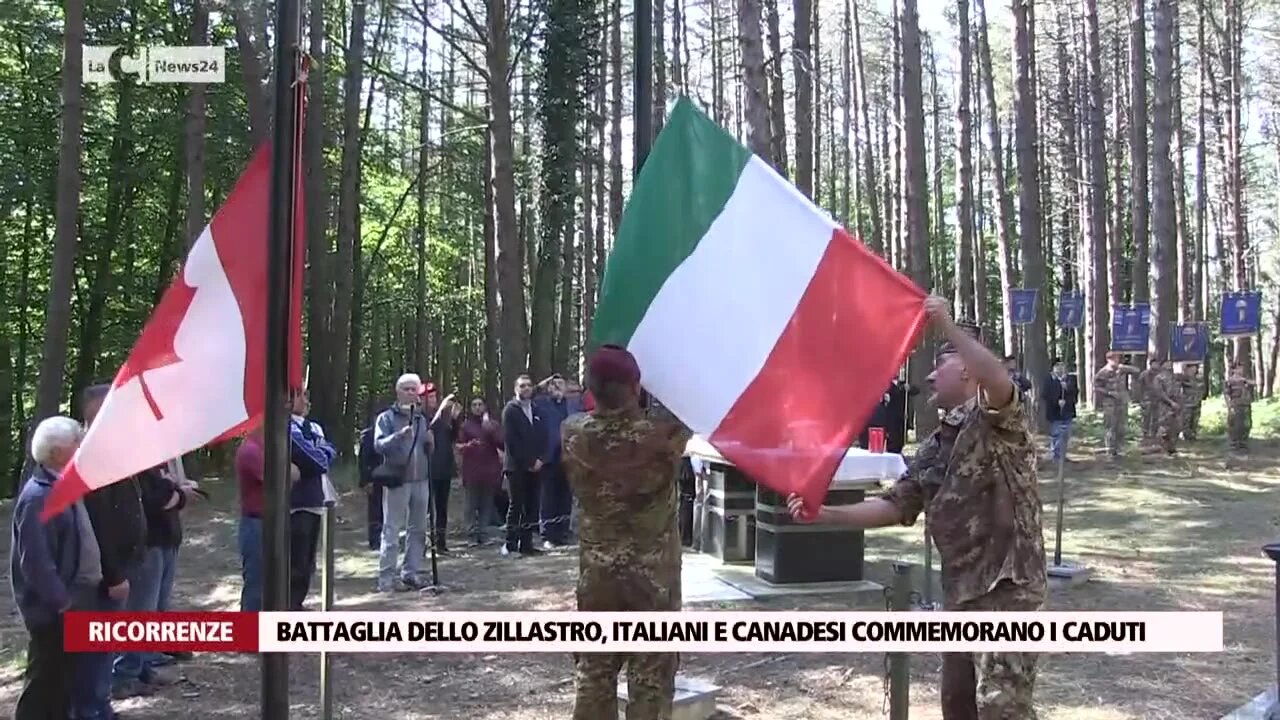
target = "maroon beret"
x: 614, y: 364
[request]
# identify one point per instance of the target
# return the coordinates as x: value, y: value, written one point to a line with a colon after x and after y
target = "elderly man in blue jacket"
x: 45, y: 559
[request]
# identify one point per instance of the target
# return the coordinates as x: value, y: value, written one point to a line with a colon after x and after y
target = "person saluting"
x: 975, y: 479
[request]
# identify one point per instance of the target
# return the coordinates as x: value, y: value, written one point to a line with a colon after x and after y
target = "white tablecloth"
x: 858, y: 464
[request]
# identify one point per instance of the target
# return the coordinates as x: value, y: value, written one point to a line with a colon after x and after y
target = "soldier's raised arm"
x: 985, y: 368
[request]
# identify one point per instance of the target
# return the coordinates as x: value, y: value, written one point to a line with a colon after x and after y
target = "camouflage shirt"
x: 621, y: 465
x: 1146, y: 379
x: 1110, y: 386
x: 1166, y: 389
x: 1239, y: 392
x: 1192, y: 389
x: 975, y: 478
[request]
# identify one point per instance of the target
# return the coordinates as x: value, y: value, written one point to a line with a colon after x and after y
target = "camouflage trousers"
x: 1190, y: 421
x: 1115, y: 421
x: 651, y: 685
x: 992, y: 685
x: 1148, y: 421
x: 1239, y: 423
x: 1168, y: 425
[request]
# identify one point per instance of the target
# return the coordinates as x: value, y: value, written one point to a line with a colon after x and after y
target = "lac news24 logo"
x: 157, y: 64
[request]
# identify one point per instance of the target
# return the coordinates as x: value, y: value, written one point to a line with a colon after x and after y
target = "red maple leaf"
x: 154, y: 348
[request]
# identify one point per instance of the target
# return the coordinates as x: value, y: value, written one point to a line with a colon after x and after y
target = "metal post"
x: 643, y: 111
x: 928, y: 569
x: 275, y: 520
x: 328, y: 540
x: 899, y: 670
x: 1273, y: 551
x: 1057, y: 540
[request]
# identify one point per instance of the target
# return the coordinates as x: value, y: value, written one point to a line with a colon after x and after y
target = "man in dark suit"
x: 891, y: 414
x: 1060, y: 395
x: 525, y: 440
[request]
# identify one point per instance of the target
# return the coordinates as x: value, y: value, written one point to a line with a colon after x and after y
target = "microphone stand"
x: 431, y: 508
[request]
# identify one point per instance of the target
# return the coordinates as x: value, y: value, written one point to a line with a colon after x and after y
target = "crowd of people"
x: 115, y: 549
x: 545, y: 469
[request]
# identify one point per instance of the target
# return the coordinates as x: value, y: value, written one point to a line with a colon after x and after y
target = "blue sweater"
x: 314, y: 456
x: 554, y: 413
x: 45, y: 557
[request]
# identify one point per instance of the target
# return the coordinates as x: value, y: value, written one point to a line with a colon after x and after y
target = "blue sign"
x: 1190, y: 342
x: 1070, y: 310
x: 1130, y: 328
x: 1022, y: 305
x: 1241, y: 314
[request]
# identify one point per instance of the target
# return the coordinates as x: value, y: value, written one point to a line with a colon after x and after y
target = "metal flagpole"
x: 643, y: 113
x: 275, y: 521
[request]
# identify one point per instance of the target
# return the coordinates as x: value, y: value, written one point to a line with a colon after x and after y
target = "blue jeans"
x: 251, y: 563
x: 1059, y: 436
x: 150, y: 585
x: 91, y: 686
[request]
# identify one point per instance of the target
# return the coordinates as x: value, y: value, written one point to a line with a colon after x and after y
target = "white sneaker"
x: 503, y: 551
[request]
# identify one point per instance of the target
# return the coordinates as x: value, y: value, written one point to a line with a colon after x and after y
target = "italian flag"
x: 754, y: 317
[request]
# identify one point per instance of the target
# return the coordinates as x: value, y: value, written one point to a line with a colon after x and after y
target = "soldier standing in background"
x: 1192, y: 396
x: 1239, y: 395
x: 1146, y: 399
x: 1165, y: 393
x: 1111, y: 389
x: 621, y: 463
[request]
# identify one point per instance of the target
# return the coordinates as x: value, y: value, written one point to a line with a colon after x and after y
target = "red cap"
x: 614, y: 364
x: 588, y: 401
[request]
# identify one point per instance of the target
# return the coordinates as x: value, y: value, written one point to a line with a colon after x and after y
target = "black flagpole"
x: 275, y: 521
x: 643, y: 83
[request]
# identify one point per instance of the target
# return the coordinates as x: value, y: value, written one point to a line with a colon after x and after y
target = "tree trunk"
x: 1096, y: 227
x: 615, y: 114
x: 659, y: 68
x: 755, y: 100
x: 253, y: 73
x: 346, y: 269
x: 420, y: 232
x: 513, y: 332
x: 1004, y: 202
x: 864, y: 108
x: 491, y: 392
x: 66, y: 234
x: 802, y: 62
x: 964, y: 300
x: 1202, y: 185
x: 850, y: 145
x: 1164, y: 307
x: 1118, y: 285
x: 195, y: 131
x: 777, y: 87
x: 916, y: 192
x: 320, y: 274
x: 1232, y: 48
x: 1139, y: 192
x: 1035, y: 349
x: 1186, y: 244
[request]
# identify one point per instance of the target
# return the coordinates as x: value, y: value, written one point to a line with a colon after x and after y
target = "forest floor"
x: 1159, y: 534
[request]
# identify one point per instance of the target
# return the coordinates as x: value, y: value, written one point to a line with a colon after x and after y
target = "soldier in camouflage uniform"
x: 1239, y: 395
x: 1146, y: 400
x: 975, y: 480
x: 1111, y: 390
x: 621, y: 462
x: 1165, y: 395
x: 1192, y: 387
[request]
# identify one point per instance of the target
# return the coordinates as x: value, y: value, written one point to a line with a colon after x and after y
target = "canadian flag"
x: 196, y: 375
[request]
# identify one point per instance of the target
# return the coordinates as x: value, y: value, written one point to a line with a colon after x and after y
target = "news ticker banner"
x: 683, y: 632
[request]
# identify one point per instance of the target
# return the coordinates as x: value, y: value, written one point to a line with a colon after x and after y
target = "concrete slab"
x: 1255, y: 709
x: 745, y: 579
x: 695, y: 699
x: 1068, y: 575
x: 699, y: 585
